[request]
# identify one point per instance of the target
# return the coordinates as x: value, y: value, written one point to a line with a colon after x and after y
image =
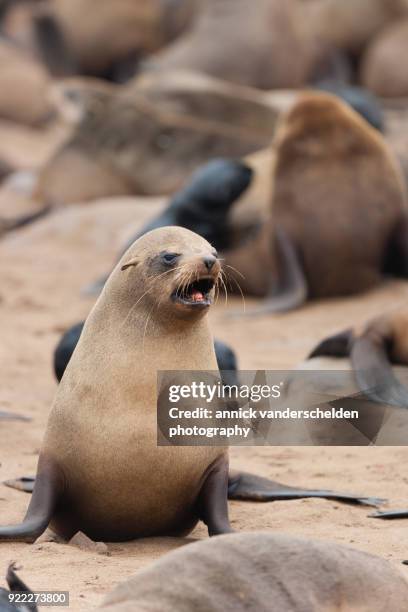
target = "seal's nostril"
x: 209, y: 261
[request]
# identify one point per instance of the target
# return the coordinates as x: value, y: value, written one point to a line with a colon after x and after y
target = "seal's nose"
x: 209, y: 261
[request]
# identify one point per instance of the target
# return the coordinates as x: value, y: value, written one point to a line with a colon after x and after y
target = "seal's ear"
x: 132, y: 262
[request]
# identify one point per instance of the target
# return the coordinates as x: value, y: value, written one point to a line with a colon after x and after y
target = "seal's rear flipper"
x: 373, y: 371
x: 247, y: 487
x: 291, y: 291
x: 16, y: 585
x: 390, y: 514
x: 334, y: 346
x: 25, y: 483
x: 48, y: 488
x: 397, y: 257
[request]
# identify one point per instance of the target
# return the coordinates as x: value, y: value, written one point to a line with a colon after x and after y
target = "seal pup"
x: 95, y: 471
x: 263, y: 571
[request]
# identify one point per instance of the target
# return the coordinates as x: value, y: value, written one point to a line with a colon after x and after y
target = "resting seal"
x: 263, y: 572
x: 100, y: 470
x: 179, y: 126
x: 276, y: 49
x: 105, y: 39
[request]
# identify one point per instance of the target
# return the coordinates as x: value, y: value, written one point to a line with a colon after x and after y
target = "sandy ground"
x: 43, y: 269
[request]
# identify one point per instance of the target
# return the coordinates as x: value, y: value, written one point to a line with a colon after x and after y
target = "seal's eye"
x: 170, y: 258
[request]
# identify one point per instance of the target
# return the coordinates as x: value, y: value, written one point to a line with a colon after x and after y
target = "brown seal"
x: 263, y: 571
x: 381, y: 68
x: 105, y: 39
x: 338, y: 210
x: 350, y: 24
x: 100, y: 470
x: 275, y: 47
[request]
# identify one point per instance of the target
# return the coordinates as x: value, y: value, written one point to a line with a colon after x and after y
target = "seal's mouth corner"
x: 196, y: 294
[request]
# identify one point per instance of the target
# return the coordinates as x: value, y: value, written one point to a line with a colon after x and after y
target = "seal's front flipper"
x: 48, y: 488
x: 244, y: 486
x: 337, y: 345
x: 25, y: 483
x: 373, y: 371
x: 390, y: 514
x: 213, y: 499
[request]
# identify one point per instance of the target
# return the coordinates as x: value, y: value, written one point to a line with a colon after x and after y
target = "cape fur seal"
x: 263, y: 572
x: 95, y: 470
x: 338, y: 214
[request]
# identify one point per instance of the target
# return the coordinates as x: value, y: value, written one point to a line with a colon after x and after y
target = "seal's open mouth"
x: 196, y: 293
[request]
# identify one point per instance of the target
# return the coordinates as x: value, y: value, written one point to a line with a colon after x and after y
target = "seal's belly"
x: 134, y: 492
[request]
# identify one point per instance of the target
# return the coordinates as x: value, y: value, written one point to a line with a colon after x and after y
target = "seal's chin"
x: 197, y: 294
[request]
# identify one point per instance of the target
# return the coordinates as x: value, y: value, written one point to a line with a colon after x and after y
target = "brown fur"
x: 337, y: 193
x: 267, y: 47
x: 263, y: 572
x: 101, y: 33
x: 393, y: 327
x: 102, y: 430
x: 180, y: 122
x: 383, y: 70
x: 23, y: 87
x: 350, y: 24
